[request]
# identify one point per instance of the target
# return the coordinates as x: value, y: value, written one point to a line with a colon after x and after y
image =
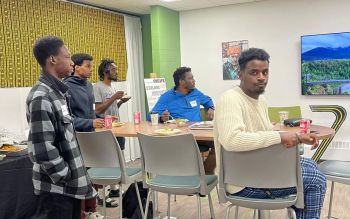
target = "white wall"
x: 274, y: 25
x: 13, y: 114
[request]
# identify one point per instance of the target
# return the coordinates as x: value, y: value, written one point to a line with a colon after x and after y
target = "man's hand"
x: 125, y: 99
x: 118, y: 95
x: 115, y: 118
x: 289, y: 139
x: 165, y: 116
x: 210, y: 114
x: 310, y: 139
x: 98, y: 123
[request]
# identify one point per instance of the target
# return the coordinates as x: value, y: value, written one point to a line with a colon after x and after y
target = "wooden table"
x: 131, y: 129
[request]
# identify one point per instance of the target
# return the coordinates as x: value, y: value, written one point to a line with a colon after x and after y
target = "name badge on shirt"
x: 193, y: 103
x: 65, y: 110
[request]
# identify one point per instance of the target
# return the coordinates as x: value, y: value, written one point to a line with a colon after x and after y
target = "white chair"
x: 101, y: 152
x: 173, y: 165
x: 271, y: 167
x: 335, y: 171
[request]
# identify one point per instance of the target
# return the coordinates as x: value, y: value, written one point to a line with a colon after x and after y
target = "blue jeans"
x: 314, y: 190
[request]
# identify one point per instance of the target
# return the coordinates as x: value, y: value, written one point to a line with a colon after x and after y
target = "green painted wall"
x: 147, y: 44
x: 165, y: 36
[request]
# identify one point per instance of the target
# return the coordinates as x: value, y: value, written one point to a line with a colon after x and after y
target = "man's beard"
x: 259, y: 92
x: 112, y: 79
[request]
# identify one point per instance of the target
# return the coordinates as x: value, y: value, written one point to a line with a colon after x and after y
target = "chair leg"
x: 155, y: 205
x: 139, y: 199
x: 291, y: 213
x: 331, y: 202
x: 228, y: 211
x: 211, y: 207
x: 254, y: 215
x: 174, y: 198
x: 236, y: 213
x: 120, y: 201
x: 168, y: 211
x: 104, y: 200
x: 147, y: 203
x: 217, y: 191
x: 263, y: 214
x: 199, y: 207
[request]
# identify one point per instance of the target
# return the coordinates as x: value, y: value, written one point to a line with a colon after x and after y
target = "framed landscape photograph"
x: 325, y: 64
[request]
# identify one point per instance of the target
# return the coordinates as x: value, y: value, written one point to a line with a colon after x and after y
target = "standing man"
x: 59, y: 176
x: 242, y: 124
x: 108, y: 100
x: 82, y: 102
x: 184, y: 101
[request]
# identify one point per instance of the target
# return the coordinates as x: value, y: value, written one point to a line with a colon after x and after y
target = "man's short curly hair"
x: 252, y: 54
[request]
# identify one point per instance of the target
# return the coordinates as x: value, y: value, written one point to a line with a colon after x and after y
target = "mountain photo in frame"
x: 325, y: 64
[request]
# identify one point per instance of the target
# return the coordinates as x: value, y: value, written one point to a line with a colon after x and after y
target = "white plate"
x: 202, y: 125
x: 173, y: 121
x: 167, y: 131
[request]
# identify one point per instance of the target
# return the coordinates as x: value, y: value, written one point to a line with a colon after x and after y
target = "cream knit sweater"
x: 242, y: 124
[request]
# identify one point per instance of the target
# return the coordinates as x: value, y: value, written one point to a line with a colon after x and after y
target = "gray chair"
x: 173, y: 165
x: 335, y: 171
x: 101, y: 152
x: 271, y: 167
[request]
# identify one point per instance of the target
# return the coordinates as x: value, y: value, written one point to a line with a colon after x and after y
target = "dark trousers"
x: 56, y: 206
x: 121, y: 141
x: 210, y: 162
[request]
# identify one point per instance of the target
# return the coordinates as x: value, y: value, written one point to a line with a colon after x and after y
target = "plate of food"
x: 173, y: 121
x: 203, y: 125
x: 167, y: 131
x: 117, y: 124
x: 14, y: 150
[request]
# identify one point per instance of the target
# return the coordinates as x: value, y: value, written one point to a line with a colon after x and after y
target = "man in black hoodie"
x: 82, y: 99
x: 82, y: 104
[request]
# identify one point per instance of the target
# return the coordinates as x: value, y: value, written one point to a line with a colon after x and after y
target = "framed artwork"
x: 230, y: 53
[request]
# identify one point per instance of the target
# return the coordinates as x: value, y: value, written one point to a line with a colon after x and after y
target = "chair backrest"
x: 100, y: 149
x: 171, y: 156
x: 294, y: 112
x: 271, y: 167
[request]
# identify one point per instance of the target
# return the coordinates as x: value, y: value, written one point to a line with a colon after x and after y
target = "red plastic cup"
x: 137, y: 117
x: 305, y: 126
x: 108, y: 122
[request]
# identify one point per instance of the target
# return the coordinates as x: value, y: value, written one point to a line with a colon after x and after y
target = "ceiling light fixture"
x: 170, y: 0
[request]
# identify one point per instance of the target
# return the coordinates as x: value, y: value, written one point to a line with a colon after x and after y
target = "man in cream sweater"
x: 242, y: 124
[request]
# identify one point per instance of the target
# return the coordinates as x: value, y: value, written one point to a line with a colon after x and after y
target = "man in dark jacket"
x: 59, y: 177
x: 81, y: 93
x: 82, y: 103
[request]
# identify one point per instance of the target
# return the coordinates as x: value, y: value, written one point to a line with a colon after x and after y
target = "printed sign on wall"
x: 155, y: 87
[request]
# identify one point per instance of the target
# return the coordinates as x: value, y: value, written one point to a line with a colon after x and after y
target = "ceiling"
x: 143, y: 6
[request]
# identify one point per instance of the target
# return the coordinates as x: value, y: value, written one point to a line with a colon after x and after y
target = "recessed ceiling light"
x: 170, y: 0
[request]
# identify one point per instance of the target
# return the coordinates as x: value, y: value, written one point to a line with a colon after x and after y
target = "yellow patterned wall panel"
x: 86, y: 30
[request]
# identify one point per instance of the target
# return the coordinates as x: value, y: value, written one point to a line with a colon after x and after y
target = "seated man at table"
x: 108, y: 100
x: 242, y: 124
x: 184, y: 101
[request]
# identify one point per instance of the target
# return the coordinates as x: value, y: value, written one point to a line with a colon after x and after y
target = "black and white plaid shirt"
x: 58, y: 165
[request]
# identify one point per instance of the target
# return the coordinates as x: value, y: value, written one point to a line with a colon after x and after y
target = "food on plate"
x: 11, y: 148
x: 167, y: 131
x: 117, y: 124
x: 180, y: 122
x: 173, y: 121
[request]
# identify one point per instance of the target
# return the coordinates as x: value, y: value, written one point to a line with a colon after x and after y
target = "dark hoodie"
x: 81, y: 103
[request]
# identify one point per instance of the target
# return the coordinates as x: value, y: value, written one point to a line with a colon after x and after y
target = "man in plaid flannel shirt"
x: 59, y: 176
